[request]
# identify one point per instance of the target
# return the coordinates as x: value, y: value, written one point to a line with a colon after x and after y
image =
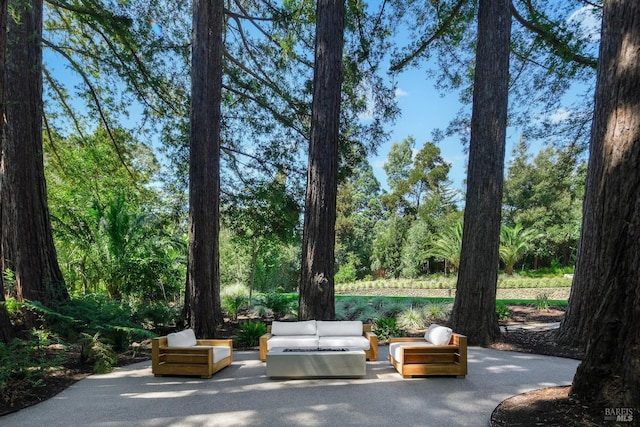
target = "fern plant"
x: 92, y: 348
x: 387, y: 327
x: 249, y: 333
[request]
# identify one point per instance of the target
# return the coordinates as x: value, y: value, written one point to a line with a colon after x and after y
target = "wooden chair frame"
x: 450, y: 359
x: 188, y: 361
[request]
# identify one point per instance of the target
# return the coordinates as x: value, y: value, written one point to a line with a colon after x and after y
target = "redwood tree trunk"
x: 318, y: 255
x: 6, y: 328
x: 27, y: 241
x: 474, y: 312
x: 202, y: 297
x: 606, y: 288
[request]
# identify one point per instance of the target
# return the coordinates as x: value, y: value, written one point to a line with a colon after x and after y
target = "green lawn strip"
x: 366, y: 298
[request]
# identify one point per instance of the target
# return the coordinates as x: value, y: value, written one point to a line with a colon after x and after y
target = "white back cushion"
x: 438, y: 335
x: 339, y: 328
x: 304, y: 327
x: 186, y: 338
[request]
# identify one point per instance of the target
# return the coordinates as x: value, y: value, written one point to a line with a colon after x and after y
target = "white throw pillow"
x: 438, y: 335
x: 186, y: 338
x: 339, y: 328
x: 304, y: 327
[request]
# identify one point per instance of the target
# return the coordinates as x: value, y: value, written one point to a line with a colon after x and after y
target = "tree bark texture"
x: 202, y: 297
x: 27, y: 242
x: 6, y: 328
x: 318, y: 242
x: 604, y: 305
x: 474, y: 307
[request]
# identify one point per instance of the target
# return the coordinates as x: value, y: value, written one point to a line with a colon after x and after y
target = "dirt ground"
x: 548, y: 407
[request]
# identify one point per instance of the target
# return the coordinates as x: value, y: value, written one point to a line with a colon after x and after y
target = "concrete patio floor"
x: 242, y: 395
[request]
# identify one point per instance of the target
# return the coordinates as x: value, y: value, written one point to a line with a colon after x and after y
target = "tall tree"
x: 604, y: 306
x: 6, y: 329
x: 474, y: 307
x: 318, y: 241
x: 203, y: 310
x: 27, y: 242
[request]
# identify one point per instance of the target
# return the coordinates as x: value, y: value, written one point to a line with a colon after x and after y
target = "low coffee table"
x: 316, y: 363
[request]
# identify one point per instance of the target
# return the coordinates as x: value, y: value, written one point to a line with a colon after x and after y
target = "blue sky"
x: 424, y: 109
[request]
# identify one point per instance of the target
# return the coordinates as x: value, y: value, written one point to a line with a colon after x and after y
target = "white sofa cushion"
x: 438, y: 335
x: 186, y: 338
x: 304, y: 327
x: 292, y: 341
x: 344, y: 341
x: 339, y: 328
x: 395, y: 347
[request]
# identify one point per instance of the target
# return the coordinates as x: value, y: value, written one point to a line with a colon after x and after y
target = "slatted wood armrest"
x: 372, y: 353
x: 263, y: 344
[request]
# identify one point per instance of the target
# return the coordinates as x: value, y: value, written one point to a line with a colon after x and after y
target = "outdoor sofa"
x: 180, y: 353
x: 320, y: 334
x: 440, y: 352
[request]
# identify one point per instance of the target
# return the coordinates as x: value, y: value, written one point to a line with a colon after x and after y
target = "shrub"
x: 234, y: 298
x: 542, y: 301
x: 158, y: 314
x: 411, y: 318
x: 387, y: 327
x: 346, y: 274
x: 436, y: 312
x: 23, y: 369
x: 249, y: 333
x: 93, y: 349
x: 502, y: 311
x: 261, y: 311
x: 277, y: 302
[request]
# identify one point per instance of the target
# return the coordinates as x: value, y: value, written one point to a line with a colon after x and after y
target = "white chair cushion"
x: 396, y: 347
x: 219, y: 351
x: 344, y: 341
x: 339, y: 328
x: 292, y: 341
x: 186, y: 338
x: 438, y: 335
x: 304, y: 327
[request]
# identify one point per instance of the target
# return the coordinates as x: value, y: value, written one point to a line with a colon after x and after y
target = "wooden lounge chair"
x: 182, y: 354
x: 417, y: 357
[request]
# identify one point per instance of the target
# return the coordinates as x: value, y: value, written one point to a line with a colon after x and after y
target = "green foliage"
x: 412, y: 318
x: 93, y: 349
x: 279, y: 303
x: 261, y: 311
x: 157, y: 315
x: 234, y: 298
x: 390, y: 236
x: 249, y: 333
x: 502, y: 311
x: 436, y: 312
x: 542, y: 301
x: 116, y: 321
x: 23, y: 368
x: 386, y: 328
x: 515, y: 243
x: 346, y: 273
x: 545, y: 193
x: 448, y: 246
x: 355, y: 308
x: 416, y: 249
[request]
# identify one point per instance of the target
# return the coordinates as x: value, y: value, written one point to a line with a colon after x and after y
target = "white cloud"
x: 588, y: 23
x: 560, y: 115
x: 399, y: 93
